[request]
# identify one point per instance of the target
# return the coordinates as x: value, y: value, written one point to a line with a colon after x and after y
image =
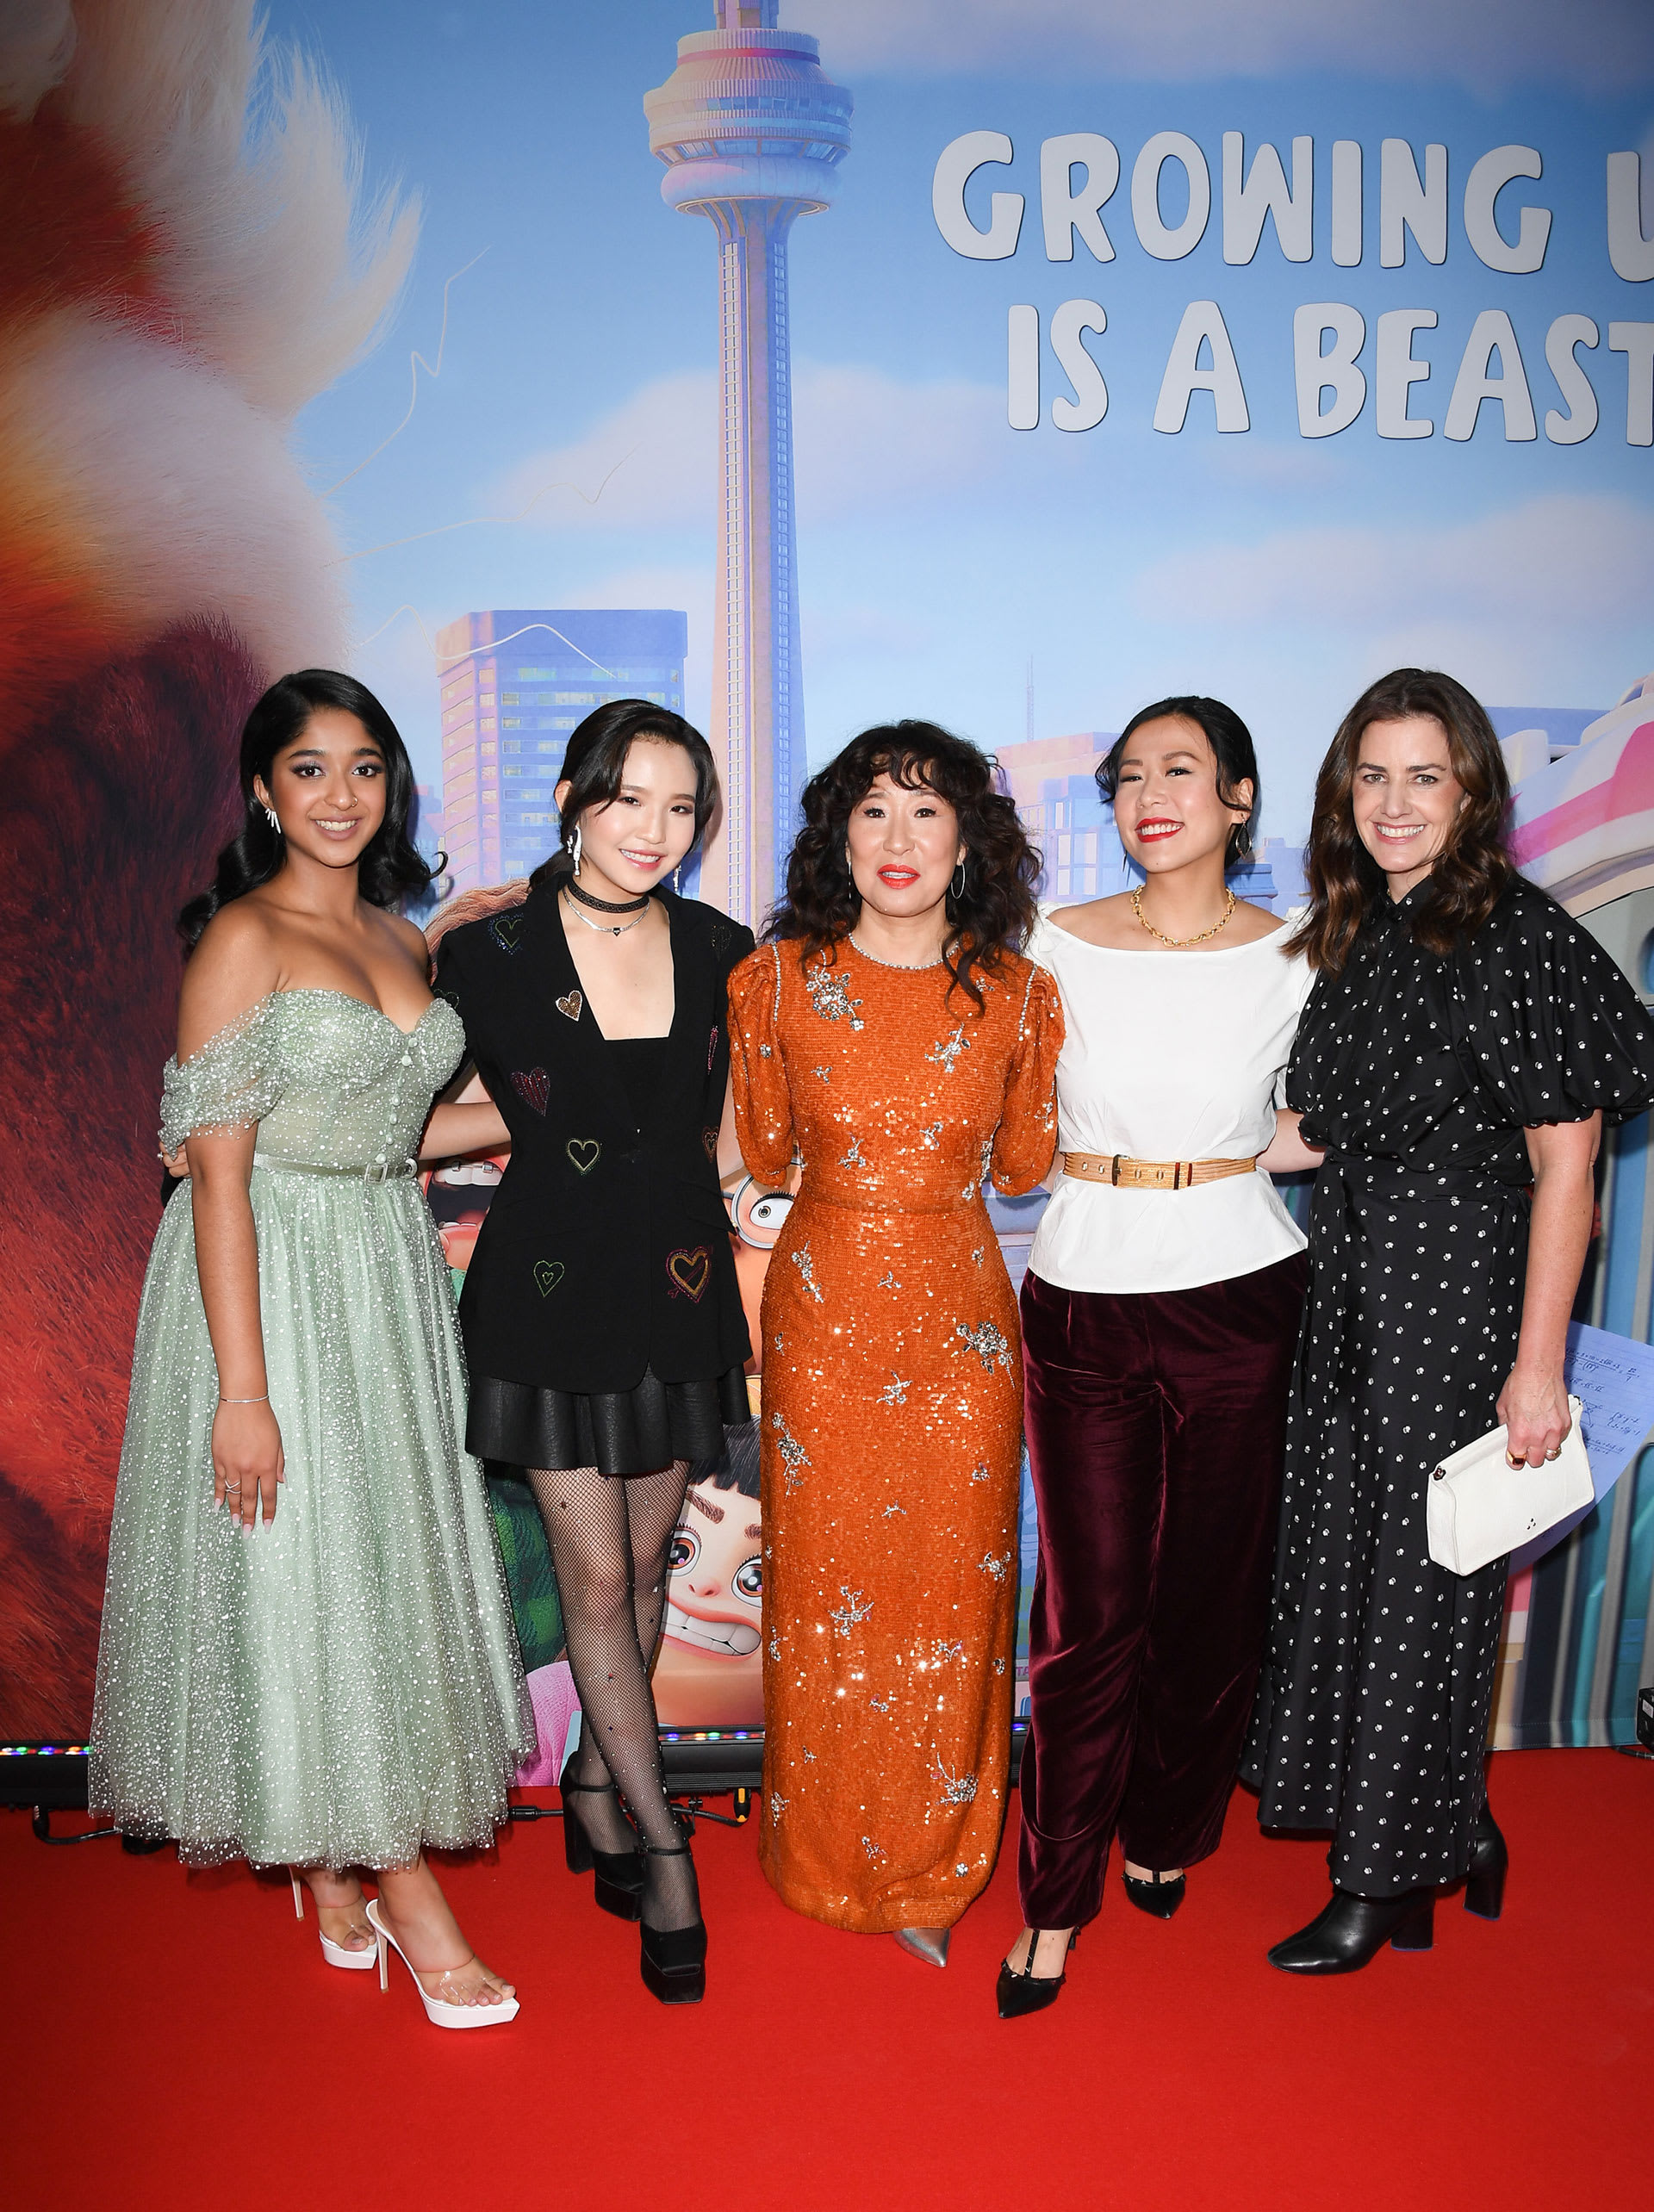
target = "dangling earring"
x: 575, y: 849
x: 958, y: 879
x: 274, y: 819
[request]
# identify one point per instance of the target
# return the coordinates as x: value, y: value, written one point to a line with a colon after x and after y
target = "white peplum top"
x: 1168, y: 1056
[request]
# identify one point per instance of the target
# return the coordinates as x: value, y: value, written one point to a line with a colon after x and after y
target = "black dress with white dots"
x: 1419, y: 1075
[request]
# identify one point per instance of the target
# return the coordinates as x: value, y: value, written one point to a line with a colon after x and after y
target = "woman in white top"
x: 1159, y: 1315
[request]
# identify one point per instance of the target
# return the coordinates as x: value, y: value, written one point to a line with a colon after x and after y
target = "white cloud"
x: 864, y: 442
x: 1576, y: 561
x: 1485, y: 45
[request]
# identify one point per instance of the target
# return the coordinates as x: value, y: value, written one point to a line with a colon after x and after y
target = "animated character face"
x: 715, y: 1574
x: 710, y: 1670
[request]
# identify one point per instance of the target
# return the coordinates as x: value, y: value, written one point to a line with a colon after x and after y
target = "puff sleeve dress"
x: 1418, y: 1074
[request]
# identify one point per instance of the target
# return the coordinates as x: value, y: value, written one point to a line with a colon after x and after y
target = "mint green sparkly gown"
x: 345, y: 1686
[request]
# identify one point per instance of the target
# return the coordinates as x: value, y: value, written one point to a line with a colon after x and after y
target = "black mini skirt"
x: 636, y: 1431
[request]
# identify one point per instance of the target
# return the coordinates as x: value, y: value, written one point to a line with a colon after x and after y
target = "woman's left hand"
x: 1534, y: 1410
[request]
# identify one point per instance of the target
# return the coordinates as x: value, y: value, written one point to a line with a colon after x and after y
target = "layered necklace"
x: 1177, y: 944
x: 633, y: 906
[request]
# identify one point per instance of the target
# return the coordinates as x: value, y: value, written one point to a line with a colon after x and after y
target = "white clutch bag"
x: 1478, y: 1507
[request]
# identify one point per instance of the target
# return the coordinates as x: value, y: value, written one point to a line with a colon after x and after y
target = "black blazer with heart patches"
x: 606, y: 1248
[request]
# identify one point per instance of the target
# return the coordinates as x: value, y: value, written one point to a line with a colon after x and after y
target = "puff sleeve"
x: 1546, y: 1023
x: 1027, y: 1136
x: 230, y: 1083
x: 764, y: 1104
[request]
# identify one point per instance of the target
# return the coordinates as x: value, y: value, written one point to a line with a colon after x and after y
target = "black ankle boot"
x: 618, y: 1887
x: 1484, y: 1881
x: 672, y: 1960
x: 1351, y: 1930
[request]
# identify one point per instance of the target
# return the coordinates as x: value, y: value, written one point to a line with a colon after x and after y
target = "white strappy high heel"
x: 437, y: 2011
x: 353, y: 1962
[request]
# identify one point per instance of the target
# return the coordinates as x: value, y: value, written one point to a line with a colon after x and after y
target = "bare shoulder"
x: 410, y: 938
x: 1249, y: 923
x: 236, y: 963
x: 1108, y: 921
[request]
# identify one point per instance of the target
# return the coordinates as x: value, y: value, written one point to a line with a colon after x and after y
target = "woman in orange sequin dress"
x: 887, y: 1032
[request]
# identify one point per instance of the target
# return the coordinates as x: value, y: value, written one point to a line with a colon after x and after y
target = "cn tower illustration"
x: 752, y: 132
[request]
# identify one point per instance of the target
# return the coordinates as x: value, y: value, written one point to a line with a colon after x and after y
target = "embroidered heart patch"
x: 570, y: 1004
x: 507, y: 931
x: 533, y: 1089
x: 690, y: 1272
x: 709, y: 1143
x: 582, y: 1152
x: 548, y: 1273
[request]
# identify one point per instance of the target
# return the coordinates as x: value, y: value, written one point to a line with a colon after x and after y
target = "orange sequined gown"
x: 892, y: 1417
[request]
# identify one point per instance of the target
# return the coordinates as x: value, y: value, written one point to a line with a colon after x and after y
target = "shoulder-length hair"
x: 594, y: 765
x: 1232, y: 749
x: 992, y: 911
x: 391, y: 866
x: 1474, y: 865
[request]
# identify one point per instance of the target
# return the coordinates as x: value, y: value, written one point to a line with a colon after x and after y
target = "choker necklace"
x: 605, y: 905
x: 1178, y: 943
x: 609, y: 928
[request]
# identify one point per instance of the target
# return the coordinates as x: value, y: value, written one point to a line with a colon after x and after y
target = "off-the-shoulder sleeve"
x: 763, y: 1105
x: 1548, y: 1023
x: 1027, y: 1135
x: 230, y: 1083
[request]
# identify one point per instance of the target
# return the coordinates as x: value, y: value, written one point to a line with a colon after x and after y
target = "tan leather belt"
x: 1125, y: 1174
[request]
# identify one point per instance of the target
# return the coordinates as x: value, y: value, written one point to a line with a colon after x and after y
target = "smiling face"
x: 904, y: 847
x: 1405, y: 797
x: 639, y: 837
x: 328, y: 789
x: 1166, y: 806
x: 715, y: 1574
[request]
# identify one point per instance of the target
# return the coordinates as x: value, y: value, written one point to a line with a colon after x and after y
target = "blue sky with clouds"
x: 939, y: 550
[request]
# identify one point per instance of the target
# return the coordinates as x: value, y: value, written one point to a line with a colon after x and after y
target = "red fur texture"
x: 116, y: 801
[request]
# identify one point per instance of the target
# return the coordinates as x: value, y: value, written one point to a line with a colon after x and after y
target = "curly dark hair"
x: 391, y: 867
x: 993, y: 912
x: 1473, y: 866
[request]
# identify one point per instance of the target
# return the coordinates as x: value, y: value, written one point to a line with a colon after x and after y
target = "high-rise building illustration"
x: 752, y: 132
x: 515, y: 682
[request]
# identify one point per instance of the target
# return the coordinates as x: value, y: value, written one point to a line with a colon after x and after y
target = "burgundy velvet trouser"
x: 1155, y: 1426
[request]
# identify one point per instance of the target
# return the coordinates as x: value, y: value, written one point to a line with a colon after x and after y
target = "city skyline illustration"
x: 566, y: 453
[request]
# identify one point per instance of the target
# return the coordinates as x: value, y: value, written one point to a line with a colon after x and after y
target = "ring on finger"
x: 1554, y: 1454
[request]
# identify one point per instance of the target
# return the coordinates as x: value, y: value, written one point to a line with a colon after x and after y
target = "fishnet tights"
x: 609, y: 1538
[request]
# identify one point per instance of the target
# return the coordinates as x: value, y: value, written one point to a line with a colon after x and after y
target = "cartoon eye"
x: 759, y: 1214
x: 684, y: 1552
x: 748, y: 1580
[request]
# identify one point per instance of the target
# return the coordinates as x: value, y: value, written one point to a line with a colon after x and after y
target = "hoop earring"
x: 575, y: 849
x: 959, y: 880
x: 274, y: 819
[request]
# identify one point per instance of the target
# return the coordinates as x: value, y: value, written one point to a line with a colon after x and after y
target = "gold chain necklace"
x: 1177, y: 944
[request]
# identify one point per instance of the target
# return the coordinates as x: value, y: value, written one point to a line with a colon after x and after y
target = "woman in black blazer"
x: 601, y: 1317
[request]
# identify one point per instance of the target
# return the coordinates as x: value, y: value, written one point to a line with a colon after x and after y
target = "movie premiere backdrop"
x: 1007, y: 365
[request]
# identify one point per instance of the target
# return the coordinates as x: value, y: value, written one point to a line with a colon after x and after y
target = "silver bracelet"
x: 262, y: 1399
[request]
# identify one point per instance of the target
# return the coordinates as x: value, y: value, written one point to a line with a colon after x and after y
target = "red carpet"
x: 177, y: 2042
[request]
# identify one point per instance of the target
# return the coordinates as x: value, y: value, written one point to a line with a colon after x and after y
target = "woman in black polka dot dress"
x: 1464, y: 1044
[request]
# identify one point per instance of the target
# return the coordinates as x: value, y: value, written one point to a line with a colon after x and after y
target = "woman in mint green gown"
x: 307, y: 1654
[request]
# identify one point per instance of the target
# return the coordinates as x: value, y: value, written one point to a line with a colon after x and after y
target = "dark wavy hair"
x: 1232, y: 749
x: 391, y: 868
x: 1474, y: 865
x: 995, y: 908
x: 595, y: 762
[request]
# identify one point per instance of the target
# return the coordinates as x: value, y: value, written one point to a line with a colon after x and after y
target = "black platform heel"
x: 1020, y: 1992
x: 672, y: 1960
x: 1161, y: 1896
x: 1485, y: 1882
x: 619, y: 1886
x: 1348, y: 1933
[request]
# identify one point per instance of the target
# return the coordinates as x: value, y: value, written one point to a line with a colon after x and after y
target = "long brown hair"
x: 1473, y: 867
x: 993, y: 908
